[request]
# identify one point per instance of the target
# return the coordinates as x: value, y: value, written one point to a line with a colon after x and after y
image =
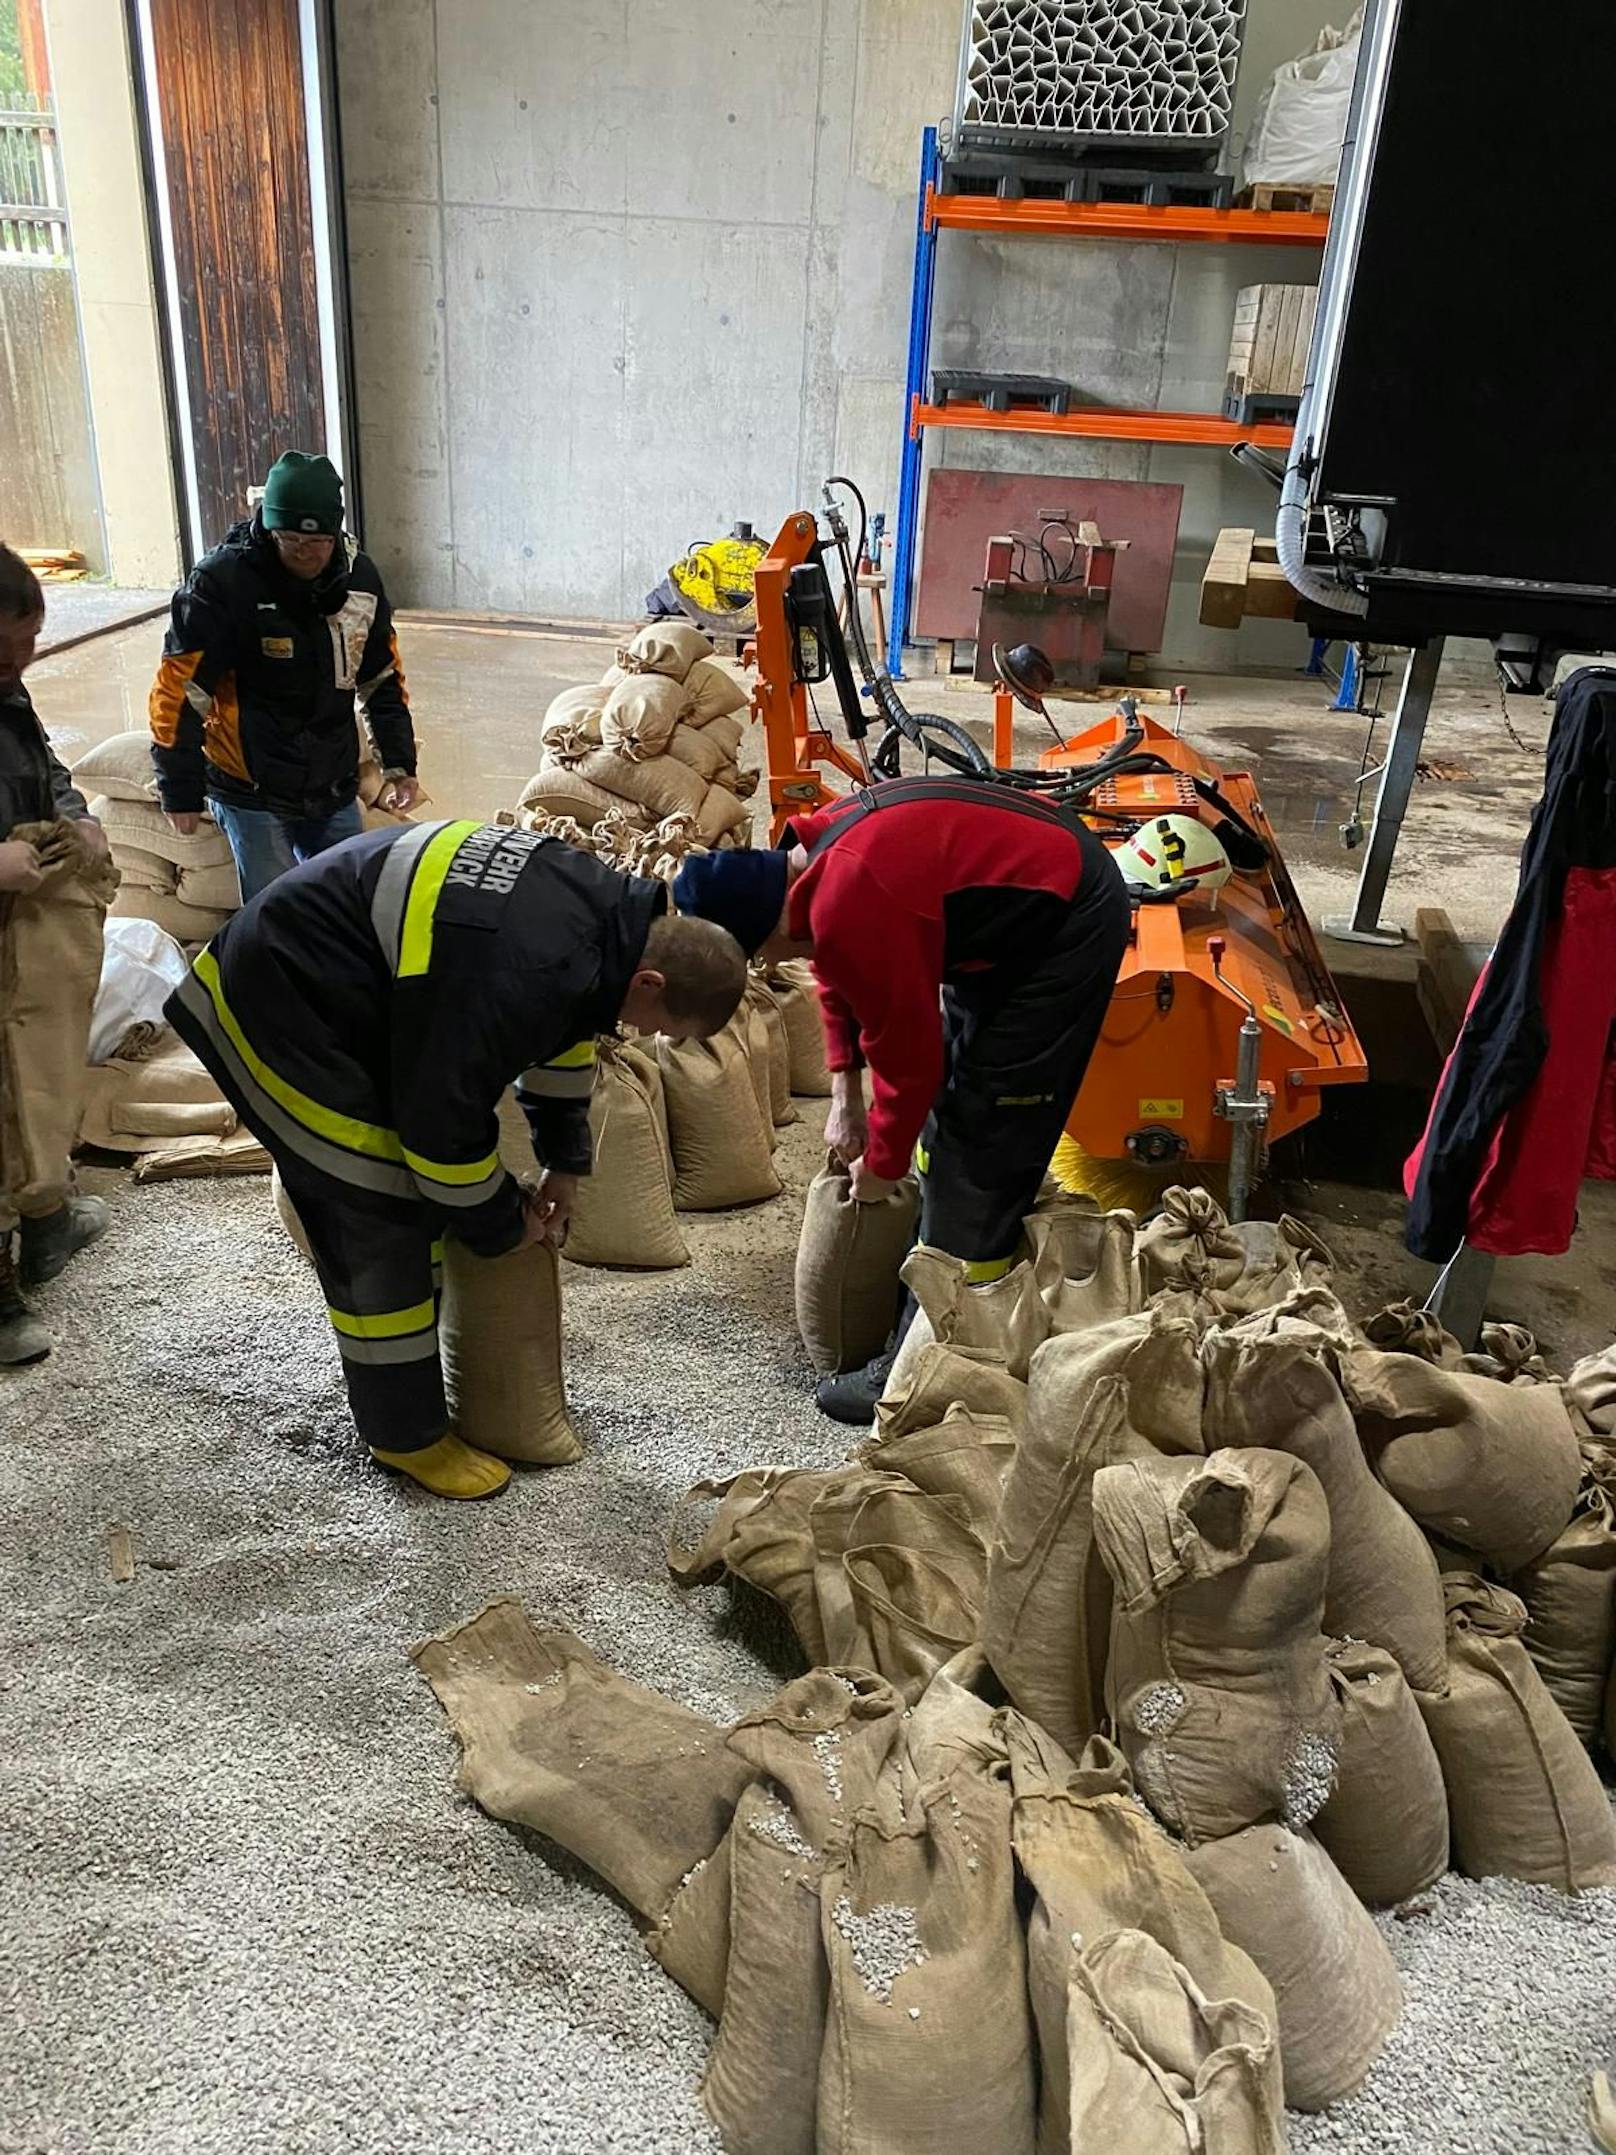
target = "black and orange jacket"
x: 254, y: 701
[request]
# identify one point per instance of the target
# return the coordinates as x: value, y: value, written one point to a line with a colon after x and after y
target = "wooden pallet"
x: 1243, y: 578
x: 1274, y: 195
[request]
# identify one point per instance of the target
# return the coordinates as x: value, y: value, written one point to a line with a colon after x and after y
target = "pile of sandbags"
x: 163, y: 1109
x: 658, y: 738
x: 187, y: 885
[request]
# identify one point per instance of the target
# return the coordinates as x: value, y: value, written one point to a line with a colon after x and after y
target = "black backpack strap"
x: 974, y: 792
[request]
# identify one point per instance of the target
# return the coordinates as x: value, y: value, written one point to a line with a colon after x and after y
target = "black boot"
x: 22, y: 1337
x: 851, y: 1397
x: 47, y: 1244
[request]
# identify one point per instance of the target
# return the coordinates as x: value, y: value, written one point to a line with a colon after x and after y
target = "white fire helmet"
x: 1171, y: 850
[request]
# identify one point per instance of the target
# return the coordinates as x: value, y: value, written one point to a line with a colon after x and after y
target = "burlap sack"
x: 147, y: 871
x: 574, y: 709
x: 213, y: 890
x: 1191, y: 1244
x: 1282, y: 1901
x: 640, y: 714
x: 658, y: 785
x: 721, y: 1146
x: 286, y: 1213
x: 118, y: 768
x: 848, y: 1260
x: 635, y: 1786
x: 1217, y: 1681
x: 1508, y: 1352
x: 142, y: 824
x: 717, y: 694
x: 903, y: 1614
x: 753, y: 1031
x: 1407, y: 1328
x: 1098, y: 1864
x: 690, y: 1940
x: 1493, y: 1467
x: 500, y: 1337
x: 702, y: 752
x: 559, y: 789
x: 968, y: 1455
x: 1007, y: 1314
x: 1570, y: 1597
x: 188, y: 924
x: 665, y: 647
x: 1084, y: 1263
x: 761, y: 999
x: 143, y: 1105
x: 1159, y: 2068
x: 624, y: 1211
x: 929, y: 2047
x: 1591, y: 1392
x: 1386, y: 1826
x: 760, y: 1532
x: 1280, y: 1392
x: 798, y: 998
x: 50, y: 969
x: 1524, y: 1800
x: 943, y: 1377
x: 722, y: 817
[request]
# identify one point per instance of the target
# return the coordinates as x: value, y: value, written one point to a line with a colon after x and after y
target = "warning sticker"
x: 1280, y: 1019
x: 1161, y: 1111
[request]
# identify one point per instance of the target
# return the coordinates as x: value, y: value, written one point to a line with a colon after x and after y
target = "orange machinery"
x: 1225, y: 1026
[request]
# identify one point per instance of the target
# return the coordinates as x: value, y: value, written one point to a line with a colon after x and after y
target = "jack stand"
x: 1459, y: 1301
x: 1244, y: 1103
x: 1397, y: 775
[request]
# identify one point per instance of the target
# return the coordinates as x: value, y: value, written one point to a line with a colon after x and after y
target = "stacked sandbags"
x: 187, y: 885
x: 660, y: 737
x: 165, y: 1110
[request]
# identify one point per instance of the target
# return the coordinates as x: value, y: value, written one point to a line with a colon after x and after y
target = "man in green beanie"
x: 277, y: 637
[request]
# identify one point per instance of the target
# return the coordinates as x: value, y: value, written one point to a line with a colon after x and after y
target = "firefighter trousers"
x: 380, y: 1265
x: 1017, y: 1048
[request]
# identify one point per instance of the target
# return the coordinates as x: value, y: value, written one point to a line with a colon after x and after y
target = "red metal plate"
x: 964, y: 509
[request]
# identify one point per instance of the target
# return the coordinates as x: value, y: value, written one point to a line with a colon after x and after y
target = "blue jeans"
x: 266, y: 845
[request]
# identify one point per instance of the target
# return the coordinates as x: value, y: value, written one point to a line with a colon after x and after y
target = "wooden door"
x: 227, y: 81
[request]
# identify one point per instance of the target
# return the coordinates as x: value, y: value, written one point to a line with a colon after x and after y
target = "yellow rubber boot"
x: 449, y: 1469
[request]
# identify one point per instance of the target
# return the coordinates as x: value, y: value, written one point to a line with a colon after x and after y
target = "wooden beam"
x: 1223, y: 585
x: 1446, y: 978
x: 1270, y: 593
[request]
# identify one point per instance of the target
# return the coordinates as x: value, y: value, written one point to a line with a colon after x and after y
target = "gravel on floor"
x: 245, y: 1911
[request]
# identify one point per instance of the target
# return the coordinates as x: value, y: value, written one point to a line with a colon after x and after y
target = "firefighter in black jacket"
x: 366, y: 1013
x: 274, y: 638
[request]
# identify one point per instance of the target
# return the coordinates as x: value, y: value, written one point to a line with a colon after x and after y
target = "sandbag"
x: 1524, y: 1800
x: 574, y: 709
x: 1098, y: 1863
x: 1155, y: 1354
x: 143, y: 824
x: 1217, y: 1681
x: 215, y: 890
x: 286, y: 1213
x: 118, y: 768
x: 51, y: 949
x: 1192, y: 1244
x: 188, y: 924
x: 848, y: 1260
x: 701, y: 750
x: 1281, y: 1392
x: 721, y: 817
x: 1408, y: 1328
x: 1386, y: 1826
x: 1508, y: 1352
x: 635, y: 1786
x: 658, y: 785
x: 967, y: 1455
x: 500, y: 1337
x: 147, y: 871
x: 1282, y: 1901
x: 624, y: 1212
x: 560, y: 789
x: 798, y: 997
x: 761, y: 1000
x: 903, y: 1613
x: 943, y: 1377
x: 715, y: 693
x: 143, y: 1105
x: 664, y: 647
x: 690, y: 1941
x: 1493, y: 1467
x: 760, y: 1532
x: 753, y: 1030
x: 1570, y: 1597
x: 1591, y: 1391
x: 1007, y: 1314
x: 639, y: 715
x: 1084, y: 1263
x: 721, y: 1147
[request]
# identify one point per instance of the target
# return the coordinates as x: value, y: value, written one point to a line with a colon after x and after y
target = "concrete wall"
x: 622, y: 274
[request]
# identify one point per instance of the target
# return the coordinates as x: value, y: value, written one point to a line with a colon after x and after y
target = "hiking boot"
x: 22, y: 1337
x: 47, y: 1244
x: 449, y: 1468
x: 851, y: 1397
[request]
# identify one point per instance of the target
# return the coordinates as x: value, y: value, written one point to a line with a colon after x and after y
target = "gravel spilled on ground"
x: 245, y: 1911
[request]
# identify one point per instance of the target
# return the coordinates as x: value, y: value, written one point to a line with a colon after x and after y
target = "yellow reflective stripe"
x: 390, y: 1324
x: 323, y: 1121
x: 415, y: 946
x: 578, y: 1057
x: 981, y: 1270
x: 437, y: 1251
x: 922, y: 1160
x: 452, y: 1171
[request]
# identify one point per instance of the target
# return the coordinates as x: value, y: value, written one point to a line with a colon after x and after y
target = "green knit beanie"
x: 303, y: 493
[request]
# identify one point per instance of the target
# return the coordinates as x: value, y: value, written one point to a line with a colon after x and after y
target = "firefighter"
x: 366, y: 1013
x: 966, y: 939
x: 274, y: 638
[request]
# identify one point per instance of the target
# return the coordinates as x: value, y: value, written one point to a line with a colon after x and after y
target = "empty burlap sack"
x: 575, y: 710
x: 640, y: 713
x: 665, y: 647
x: 142, y: 824
x: 848, y: 1259
x: 943, y: 1377
x: 1508, y: 1352
x: 1217, y: 1681
x: 216, y: 890
x: 1570, y: 1597
x: 929, y: 2046
x: 1084, y: 1263
x: 500, y: 1336
x: 1493, y: 1467
x: 286, y: 1213
x: 1524, y: 1800
x: 716, y: 694
x: 1191, y: 1244
x: 798, y: 997
x: 760, y: 1532
x: 118, y: 768
x: 760, y: 998
x: 1007, y: 1314
x: 967, y: 1455
x: 51, y: 950
x: 1281, y: 1900
x: 624, y: 1212
x: 558, y: 789
x: 1591, y: 1391
x: 1098, y: 1863
x: 1386, y: 1826
x: 1281, y: 1392
x: 721, y: 1145
x: 690, y: 1940
x: 188, y: 924
x: 898, y: 1575
x: 1406, y: 1328
x: 635, y: 1786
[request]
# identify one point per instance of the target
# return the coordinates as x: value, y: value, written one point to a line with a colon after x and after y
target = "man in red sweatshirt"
x: 966, y: 939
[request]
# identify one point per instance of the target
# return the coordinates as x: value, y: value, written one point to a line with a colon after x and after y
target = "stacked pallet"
x: 1268, y: 352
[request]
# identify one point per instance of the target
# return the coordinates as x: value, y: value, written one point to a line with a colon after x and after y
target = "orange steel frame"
x: 794, y: 743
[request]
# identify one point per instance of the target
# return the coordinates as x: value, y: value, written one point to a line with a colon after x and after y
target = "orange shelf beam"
x: 1125, y: 221
x: 1102, y: 423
